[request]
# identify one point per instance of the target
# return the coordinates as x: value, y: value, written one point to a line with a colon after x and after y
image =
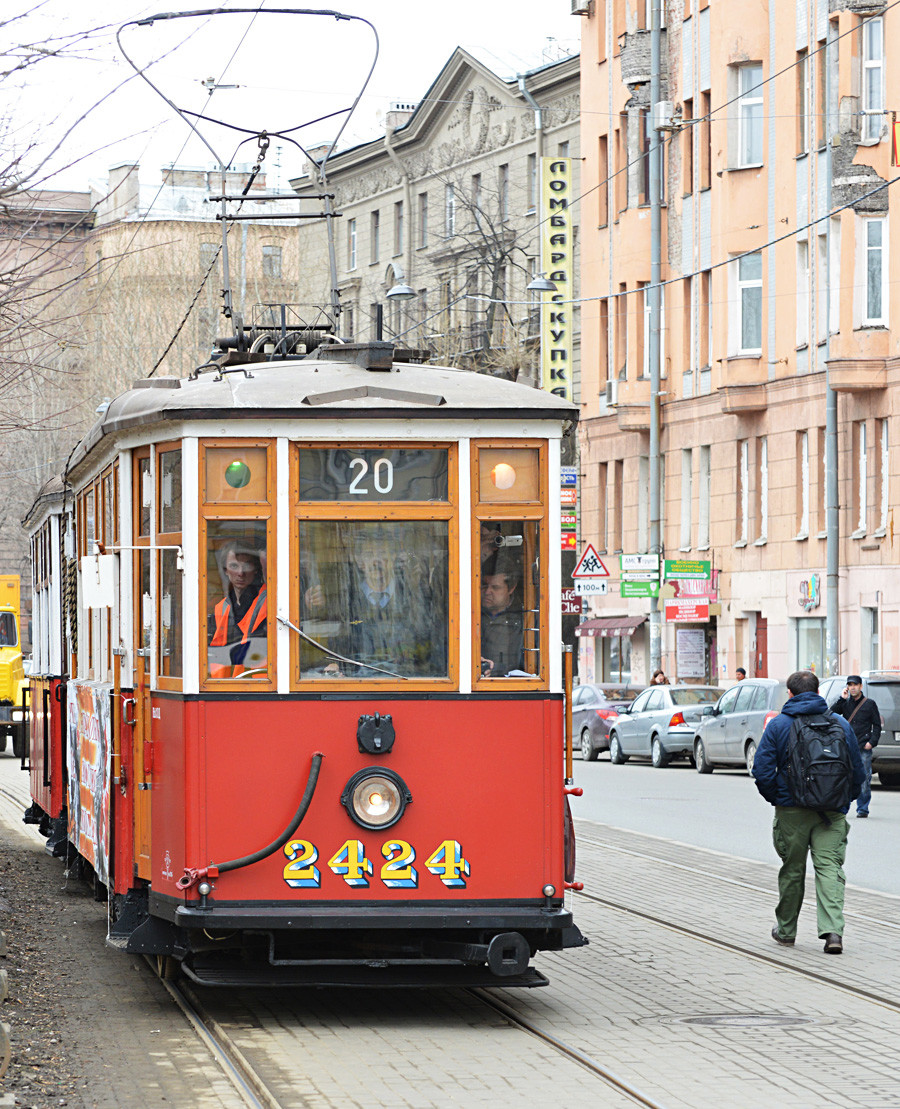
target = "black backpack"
x: 819, y: 771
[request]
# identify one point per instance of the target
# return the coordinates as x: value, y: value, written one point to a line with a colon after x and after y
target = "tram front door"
x: 143, y: 768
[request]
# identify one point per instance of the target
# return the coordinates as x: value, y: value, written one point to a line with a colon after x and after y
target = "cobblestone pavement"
x: 691, y: 1024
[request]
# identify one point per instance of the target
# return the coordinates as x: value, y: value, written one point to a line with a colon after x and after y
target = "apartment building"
x: 778, y: 283
x: 448, y: 202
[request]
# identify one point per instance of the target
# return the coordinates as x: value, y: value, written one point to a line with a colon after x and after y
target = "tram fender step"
x: 156, y: 937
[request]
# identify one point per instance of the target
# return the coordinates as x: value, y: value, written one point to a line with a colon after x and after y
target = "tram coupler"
x: 577, y: 886
x: 574, y: 791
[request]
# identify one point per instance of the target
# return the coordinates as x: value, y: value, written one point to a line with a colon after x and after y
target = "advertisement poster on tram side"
x: 88, y: 764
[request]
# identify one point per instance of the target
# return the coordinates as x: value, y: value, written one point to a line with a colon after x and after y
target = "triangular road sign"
x: 590, y: 565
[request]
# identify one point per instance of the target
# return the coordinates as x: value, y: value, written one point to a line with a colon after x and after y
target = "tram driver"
x: 502, y: 619
x: 238, y: 626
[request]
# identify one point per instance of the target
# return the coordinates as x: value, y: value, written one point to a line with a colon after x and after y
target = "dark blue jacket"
x: 770, y: 761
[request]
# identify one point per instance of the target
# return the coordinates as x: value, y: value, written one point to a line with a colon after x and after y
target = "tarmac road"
x: 722, y: 811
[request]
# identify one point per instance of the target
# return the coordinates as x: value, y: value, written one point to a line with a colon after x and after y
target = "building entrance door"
x: 761, y: 663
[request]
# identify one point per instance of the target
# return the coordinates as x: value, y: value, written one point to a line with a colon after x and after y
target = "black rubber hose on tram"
x: 264, y: 852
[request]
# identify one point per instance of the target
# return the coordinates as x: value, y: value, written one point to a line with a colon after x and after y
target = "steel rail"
x: 610, y: 1077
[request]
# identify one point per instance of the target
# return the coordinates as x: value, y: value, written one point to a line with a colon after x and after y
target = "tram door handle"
x: 128, y: 721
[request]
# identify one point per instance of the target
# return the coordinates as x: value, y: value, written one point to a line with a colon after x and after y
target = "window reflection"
x: 509, y: 581
x: 375, y: 594
x: 170, y: 617
x: 237, y: 620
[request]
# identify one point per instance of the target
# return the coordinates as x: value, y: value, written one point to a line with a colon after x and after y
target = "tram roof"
x: 317, y: 388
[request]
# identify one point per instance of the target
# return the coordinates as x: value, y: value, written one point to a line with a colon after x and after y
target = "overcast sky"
x: 289, y: 69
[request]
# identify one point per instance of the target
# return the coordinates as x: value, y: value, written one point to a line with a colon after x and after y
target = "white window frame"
x: 704, y: 497
x: 532, y: 174
x: 870, y: 254
x: 399, y: 229
x: 872, y: 100
x: 742, y: 285
x: 503, y: 187
x: 449, y: 211
x: 750, y: 131
x: 802, y: 292
x: 803, y: 454
x: 762, y: 472
x: 743, y: 492
x: 423, y: 219
x: 884, y: 492
x: 687, y: 497
x: 352, y: 258
x: 862, y: 479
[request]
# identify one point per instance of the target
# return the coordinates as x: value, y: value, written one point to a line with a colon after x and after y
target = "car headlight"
x: 375, y: 798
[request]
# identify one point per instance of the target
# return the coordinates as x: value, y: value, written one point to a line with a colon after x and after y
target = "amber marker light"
x: 503, y: 475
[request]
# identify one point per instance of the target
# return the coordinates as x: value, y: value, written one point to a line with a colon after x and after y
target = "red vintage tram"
x: 298, y: 693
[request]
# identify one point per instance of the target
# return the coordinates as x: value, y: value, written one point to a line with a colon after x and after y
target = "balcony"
x: 738, y: 400
x: 857, y: 375
x: 633, y: 405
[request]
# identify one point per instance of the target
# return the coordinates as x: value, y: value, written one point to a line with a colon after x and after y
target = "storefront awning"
x: 611, y: 626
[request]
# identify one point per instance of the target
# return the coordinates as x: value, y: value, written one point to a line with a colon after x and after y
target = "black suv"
x: 883, y: 686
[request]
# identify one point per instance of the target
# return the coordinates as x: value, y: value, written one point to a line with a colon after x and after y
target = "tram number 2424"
x: 350, y: 863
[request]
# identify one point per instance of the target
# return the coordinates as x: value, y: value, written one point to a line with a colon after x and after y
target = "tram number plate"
x: 397, y: 870
x: 373, y: 474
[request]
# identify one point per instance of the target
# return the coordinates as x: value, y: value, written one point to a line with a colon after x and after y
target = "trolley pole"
x: 653, y: 293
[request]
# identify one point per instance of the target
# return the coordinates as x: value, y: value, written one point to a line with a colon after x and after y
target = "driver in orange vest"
x: 240, y: 617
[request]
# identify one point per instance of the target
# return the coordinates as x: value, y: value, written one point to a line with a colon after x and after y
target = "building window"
x: 705, y: 141
x: 351, y: 244
x: 802, y: 293
x: 872, y: 98
x: 861, y: 473
x: 762, y: 488
x: 617, y: 532
x: 348, y: 321
x: 374, y: 236
x: 687, y: 148
x: 562, y: 151
x: 876, y: 272
x: 803, y: 92
x: 869, y: 631
x: 449, y: 211
x: 398, y: 227
x: 750, y: 115
x: 704, y: 492
x: 687, y: 496
x: 423, y: 219
x: 822, y: 297
x: 883, y: 475
x: 811, y: 644
x: 602, y: 506
x: 748, y: 274
x: 743, y: 492
x: 802, y: 484
x: 271, y: 261
x: 643, y: 512
x: 603, y: 190
x: 532, y: 182
x: 822, y: 500
x: 504, y: 192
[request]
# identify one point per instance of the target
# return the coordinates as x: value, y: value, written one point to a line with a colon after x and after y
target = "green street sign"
x: 639, y: 588
x: 686, y: 569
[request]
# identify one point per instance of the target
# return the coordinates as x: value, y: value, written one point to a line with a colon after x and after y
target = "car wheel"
x: 749, y: 756
x: 658, y: 755
x: 615, y: 751
x: 588, y: 754
x: 703, y: 766
x: 18, y: 742
x: 890, y: 779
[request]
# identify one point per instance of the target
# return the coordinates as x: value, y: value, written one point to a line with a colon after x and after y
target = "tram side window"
x: 169, y: 652
x: 510, y: 599
x: 374, y: 599
x: 7, y: 629
x: 237, y: 613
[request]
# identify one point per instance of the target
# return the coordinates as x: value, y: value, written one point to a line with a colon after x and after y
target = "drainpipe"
x: 653, y: 294
x: 539, y: 154
x: 407, y: 203
x: 832, y: 513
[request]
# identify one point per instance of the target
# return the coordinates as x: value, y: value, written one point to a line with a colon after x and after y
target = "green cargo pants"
x: 794, y: 832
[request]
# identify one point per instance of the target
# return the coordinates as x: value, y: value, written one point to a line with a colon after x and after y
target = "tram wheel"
x: 588, y: 752
x: 167, y: 968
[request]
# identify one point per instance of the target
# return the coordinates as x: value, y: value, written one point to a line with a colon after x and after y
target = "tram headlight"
x: 375, y: 798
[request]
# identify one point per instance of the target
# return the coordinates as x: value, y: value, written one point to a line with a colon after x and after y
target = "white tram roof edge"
x: 316, y: 388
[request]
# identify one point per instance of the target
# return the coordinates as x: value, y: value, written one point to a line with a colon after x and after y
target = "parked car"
x: 883, y: 686
x: 729, y: 731
x: 660, y: 724
x: 594, y: 710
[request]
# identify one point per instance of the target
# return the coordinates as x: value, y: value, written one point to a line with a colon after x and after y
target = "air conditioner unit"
x: 582, y: 7
x: 612, y: 394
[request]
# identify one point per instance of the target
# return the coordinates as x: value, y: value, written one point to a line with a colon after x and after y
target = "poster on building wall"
x: 88, y: 764
x: 690, y: 653
x: 557, y: 264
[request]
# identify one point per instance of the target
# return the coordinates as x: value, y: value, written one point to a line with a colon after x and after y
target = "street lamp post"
x: 401, y: 291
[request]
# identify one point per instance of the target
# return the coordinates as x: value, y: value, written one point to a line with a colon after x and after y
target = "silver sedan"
x: 660, y: 724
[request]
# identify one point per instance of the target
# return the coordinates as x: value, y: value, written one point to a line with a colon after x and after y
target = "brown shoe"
x: 833, y: 944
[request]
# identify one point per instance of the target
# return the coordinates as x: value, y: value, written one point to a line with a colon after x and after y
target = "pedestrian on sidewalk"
x: 799, y: 829
x: 862, y: 714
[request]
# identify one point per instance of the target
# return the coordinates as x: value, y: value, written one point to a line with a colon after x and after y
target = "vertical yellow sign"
x: 557, y: 262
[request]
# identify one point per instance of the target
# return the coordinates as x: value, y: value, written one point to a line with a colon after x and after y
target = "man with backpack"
x: 862, y: 714
x: 808, y: 766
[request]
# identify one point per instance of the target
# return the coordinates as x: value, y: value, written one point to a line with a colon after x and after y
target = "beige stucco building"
x: 778, y: 199
x: 448, y: 202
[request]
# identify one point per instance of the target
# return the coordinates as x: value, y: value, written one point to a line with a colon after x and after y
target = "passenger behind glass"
x: 502, y: 618
x: 238, y: 625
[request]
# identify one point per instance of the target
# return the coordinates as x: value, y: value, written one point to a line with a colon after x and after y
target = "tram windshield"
x: 374, y: 599
x: 8, y: 636
x: 237, y: 615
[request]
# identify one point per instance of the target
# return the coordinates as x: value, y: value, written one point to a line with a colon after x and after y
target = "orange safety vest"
x: 254, y: 616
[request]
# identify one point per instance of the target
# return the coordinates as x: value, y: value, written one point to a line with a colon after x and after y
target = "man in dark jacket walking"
x: 862, y: 714
x: 797, y: 831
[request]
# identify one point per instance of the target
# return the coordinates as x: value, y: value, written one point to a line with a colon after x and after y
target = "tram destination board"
x: 373, y: 474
